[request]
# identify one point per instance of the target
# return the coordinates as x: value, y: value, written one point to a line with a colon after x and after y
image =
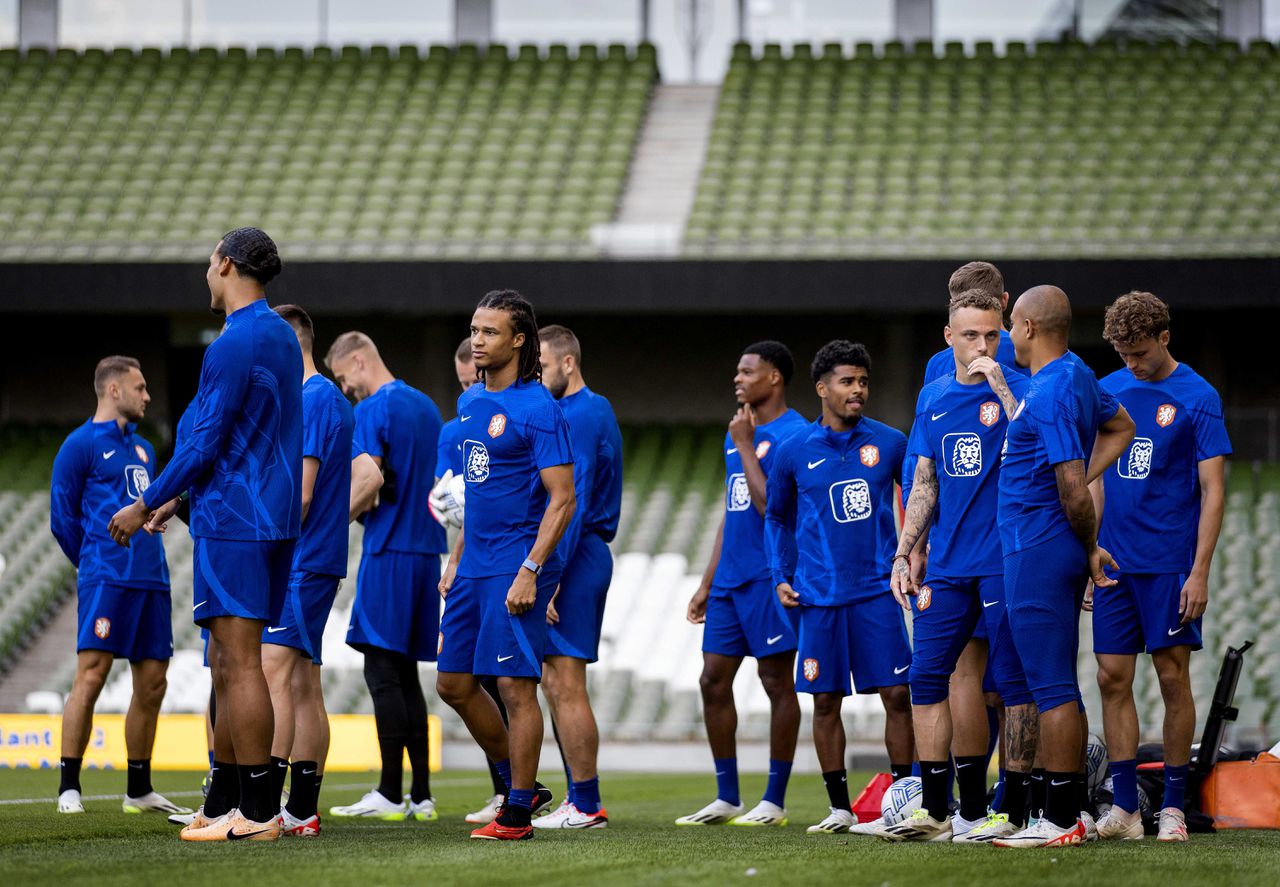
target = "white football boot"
x: 996, y: 825
x: 69, y: 802
x: 488, y: 813
x: 423, y: 811
x: 374, y: 806
x: 1173, y: 826
x: 718, y: 812
x: 766, y: 813
x: 919, y: 826
x: 153, y: 802
x: 1120, y: 824
x: 1044, y: 834
x: 838, y: 822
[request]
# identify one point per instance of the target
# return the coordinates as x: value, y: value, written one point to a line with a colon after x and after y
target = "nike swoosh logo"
x: 936, y: 416
x: 135, y: 766
x: 962, y: 766
x: 463, y: 418
x: 308, y: 772
x: 731, y: 452
x: 773, y: 640
x: 986, y: 604
x: 1174, y: 631
x: 274, y: 630
x: 232, y: 835
x: 935, y: 771
x: 901, y: 670
x: 813, y: 465
x: 108, y: 454
x: 505, y: 658
x: 1056, y: 783
x: 198, y: 606
x: 256, y: 775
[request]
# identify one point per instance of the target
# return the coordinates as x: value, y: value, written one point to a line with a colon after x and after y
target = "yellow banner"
x: 35, y: 741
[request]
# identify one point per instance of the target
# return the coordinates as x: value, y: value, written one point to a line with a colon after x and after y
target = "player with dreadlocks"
x: 518, y: 467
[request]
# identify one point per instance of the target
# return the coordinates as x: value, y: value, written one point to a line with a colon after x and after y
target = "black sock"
x: 1062, y: 804
x: 499, y: 786
x: 304, y: 789
x: 255, y: 792
x: 1016, y: 787
x: 224, y: 790
x: 935, y: 782
x: 139, y: 782
x: 971, y: 777
x: 900, y: 771
x: 514, y: 817
x: 1082, y: 791
x: 383, y: 673
x: 70, y: 779
x: 837, y: 782
x: 279, y: 772
x: 418, y: 741
x: 391, y: 784
x: 1036, y: 797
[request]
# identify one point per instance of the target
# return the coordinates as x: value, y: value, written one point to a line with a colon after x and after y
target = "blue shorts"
x: 580, y: 602
x: 478, y: 636
x: 130, y: 623
x: 1141, y: 612
x: 236, y: 578
x: 1044, y: 588
x: 397, y: 605
x: 1004, y: 673
x: 867, y: 640
x: 306, y: 610
x: 749, y: 620
x: 945, y: 613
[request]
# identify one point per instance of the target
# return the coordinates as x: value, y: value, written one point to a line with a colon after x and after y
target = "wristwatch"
x: 533, y: 566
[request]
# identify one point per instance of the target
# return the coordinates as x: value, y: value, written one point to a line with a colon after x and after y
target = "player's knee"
x: 91, y: 679
x: 451, y: 690
x: 927, y: 689
x: 1114, y: 681
x: 897, y: 700
x: 715, y: 686
x: 826, y: 706
x: 778, y: 684
x: 1174, y: 678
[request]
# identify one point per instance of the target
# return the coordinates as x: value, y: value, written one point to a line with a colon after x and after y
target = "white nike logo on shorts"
x: 813, y: 465
x: 198, y: 606
x: 901, y: 670
x: 731, y: 452
x: 463, y: 418
x: 936, y: 416
x: 274, y: 630
x: 1177, y: 630
x: 773, y: 640
x: 986, y: 604
x: 505, y: 658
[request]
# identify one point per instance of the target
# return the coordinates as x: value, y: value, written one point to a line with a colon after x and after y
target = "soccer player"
x: 123, y: 603
x: 291, y: 644
x: 958, y: 431
x: 829, y: 525
x: 736, y: 599
x: 1065, y: 432
x: 395, y: 618
x: 504, y: 568
x: 576, y: 611
x: 1164, y: 501
x: 242, y: 463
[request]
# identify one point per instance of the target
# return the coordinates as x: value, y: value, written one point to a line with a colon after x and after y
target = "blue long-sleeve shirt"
x: 597, y: 468
x: 243, y: 457
x: 100, y: 469
x: 833, y: 494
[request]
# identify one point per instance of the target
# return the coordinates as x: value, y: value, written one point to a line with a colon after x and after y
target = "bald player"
x: 1063, y: 435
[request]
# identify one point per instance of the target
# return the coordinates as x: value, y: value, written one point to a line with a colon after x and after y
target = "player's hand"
x: 447, y: 577
x: 552, y: 616
x: 788, y: 595
x: 986, y: 366
x: 902, y: 583
x: 1099, y: 558
x: 697, y: 612
x: 161, y: 516
x: 1194, y: 598
x: 127, y: 521
x: 1087, y: 603
x: 919, y: 564
x: 523, y: 592
x: 742, y: 427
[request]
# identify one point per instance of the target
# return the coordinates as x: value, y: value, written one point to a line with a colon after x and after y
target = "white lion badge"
x: 965, y: 454
x: 476, y: 461
x: 739, y: 493
x: 850, y: 500
x: 1137, y: 463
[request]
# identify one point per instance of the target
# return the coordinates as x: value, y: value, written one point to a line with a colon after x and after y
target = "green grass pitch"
x: 641, y: 846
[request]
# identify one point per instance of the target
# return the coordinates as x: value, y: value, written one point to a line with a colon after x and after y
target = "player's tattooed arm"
x: 919, y: 514
x: 1113, y: 439
x: 1195, y: 591
x: 1077, y: 503
x: 995, y: 378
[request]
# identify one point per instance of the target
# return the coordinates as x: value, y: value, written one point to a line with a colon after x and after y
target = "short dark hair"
x: 109, y: 368
x: 523, y: 320
x: 463, y: 352
x: 1135, y: 316
x: 975, y: 298
x: 300, y: 320
x: 839, y: 352
x: 252, y: 252
x: 976, y: 276
x: 561, y: 340
x: 777, y: 354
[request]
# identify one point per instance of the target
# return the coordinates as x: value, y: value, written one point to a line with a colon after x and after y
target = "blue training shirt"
x: 401, y: 426
x: 509, y: 436
x: 742, y: 551
x: 597, y: 468
x: 1151, y: 512
x: 832, y: 493
x: 961, y: 428
x: 940, y: 366
x: 328, y: 425
x: 449, y: 449
x: 1057, y: 421
x: 242, y: 460
x: 100, y: 469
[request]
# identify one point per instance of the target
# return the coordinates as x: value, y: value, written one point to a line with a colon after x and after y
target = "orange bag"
x: 867, y: 805
x: 1244, y: 794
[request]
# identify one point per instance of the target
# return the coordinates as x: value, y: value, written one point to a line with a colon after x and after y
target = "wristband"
x: 532, y: 566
